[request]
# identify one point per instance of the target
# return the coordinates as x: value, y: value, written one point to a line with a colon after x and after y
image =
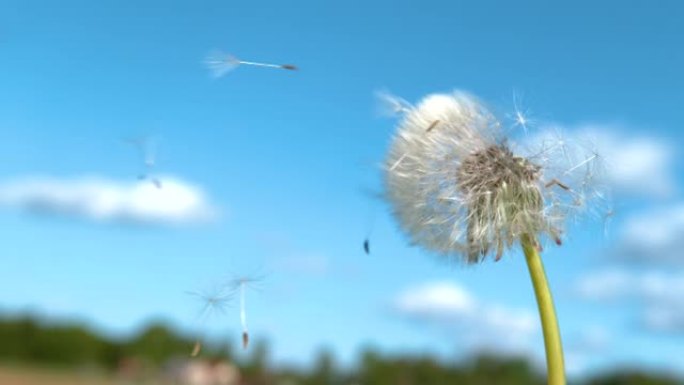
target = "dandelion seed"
x: 241, y: 285
x: 245, y: 339
x: 520, y: 117
x: 220, y: 63
x: 243, y: 316
x: 147, y: 149
x: 556, y: 182
x: 589, y: 159
x: 214, y: 302
x: 391, y: 105
x: 432, y: 125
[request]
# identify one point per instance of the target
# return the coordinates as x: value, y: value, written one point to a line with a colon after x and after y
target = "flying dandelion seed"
x: 148, y: 152
x: 375, y: 196
x: 241, y: 285
x: 220, y: 63
x: 214, y: 302
x: 520, y: 116
x: 391, y: 105
x: 243, y: 316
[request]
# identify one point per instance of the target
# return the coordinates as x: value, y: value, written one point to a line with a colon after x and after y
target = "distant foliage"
x: 634, y: 378
x: 26, y: 341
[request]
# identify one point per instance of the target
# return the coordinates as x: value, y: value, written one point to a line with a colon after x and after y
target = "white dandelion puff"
x: 220, y: 63
x: 457, y: 188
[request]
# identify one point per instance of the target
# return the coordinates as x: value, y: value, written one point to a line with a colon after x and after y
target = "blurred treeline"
x: 25, y: 341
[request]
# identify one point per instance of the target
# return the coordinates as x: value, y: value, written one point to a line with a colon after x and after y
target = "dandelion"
x: 458, y: 189
x: 220, y: 63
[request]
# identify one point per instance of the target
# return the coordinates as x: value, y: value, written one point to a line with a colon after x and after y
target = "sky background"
x: 274, y: 173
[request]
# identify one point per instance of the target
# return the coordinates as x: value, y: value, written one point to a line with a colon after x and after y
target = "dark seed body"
x: 245, y: 340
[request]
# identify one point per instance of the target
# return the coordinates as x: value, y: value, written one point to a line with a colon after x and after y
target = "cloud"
x: 655, y: 237
x: 448, y: 306
x: 634, y: 165
x: 593, y: 339
x: 584, y: 349
x: 659, y: 296
x: 103, y: 200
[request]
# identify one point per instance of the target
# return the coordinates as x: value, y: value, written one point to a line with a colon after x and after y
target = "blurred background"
x: 134, y: 187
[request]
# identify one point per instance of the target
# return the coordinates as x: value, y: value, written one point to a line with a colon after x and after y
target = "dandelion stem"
x: 547, y: 313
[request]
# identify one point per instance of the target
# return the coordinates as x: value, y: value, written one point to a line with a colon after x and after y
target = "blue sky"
x: 284, y: 161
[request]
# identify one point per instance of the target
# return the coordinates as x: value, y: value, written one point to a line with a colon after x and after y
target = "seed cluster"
x: 503, y: 199
x: 458, y: 189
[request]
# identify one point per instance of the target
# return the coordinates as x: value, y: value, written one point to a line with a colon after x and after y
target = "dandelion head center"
x: 503, y: 199
x: 496, y: 167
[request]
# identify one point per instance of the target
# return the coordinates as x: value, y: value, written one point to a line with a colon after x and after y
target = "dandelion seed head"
x: 460, y: 190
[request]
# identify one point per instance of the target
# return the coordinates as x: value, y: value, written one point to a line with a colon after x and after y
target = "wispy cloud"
x: 104, y: 200
x: 658, y: 295
x: 584, y: 349
x: 653, y: 237
x: 448, y: 306
x: 636, y: 164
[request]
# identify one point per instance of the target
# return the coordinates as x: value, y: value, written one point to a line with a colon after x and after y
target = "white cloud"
x: 104, y: 200
x: 446, y: 305
x: 613, y: 284
x: 593, y: 339
x: 585, y: 348
x: 605, y: 285
x: 659, y: 296
x: 654, y: 237
x: 638, y: 165
x: 436, y: 300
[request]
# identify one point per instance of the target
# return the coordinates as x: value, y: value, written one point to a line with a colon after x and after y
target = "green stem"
x: 552, y: 340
